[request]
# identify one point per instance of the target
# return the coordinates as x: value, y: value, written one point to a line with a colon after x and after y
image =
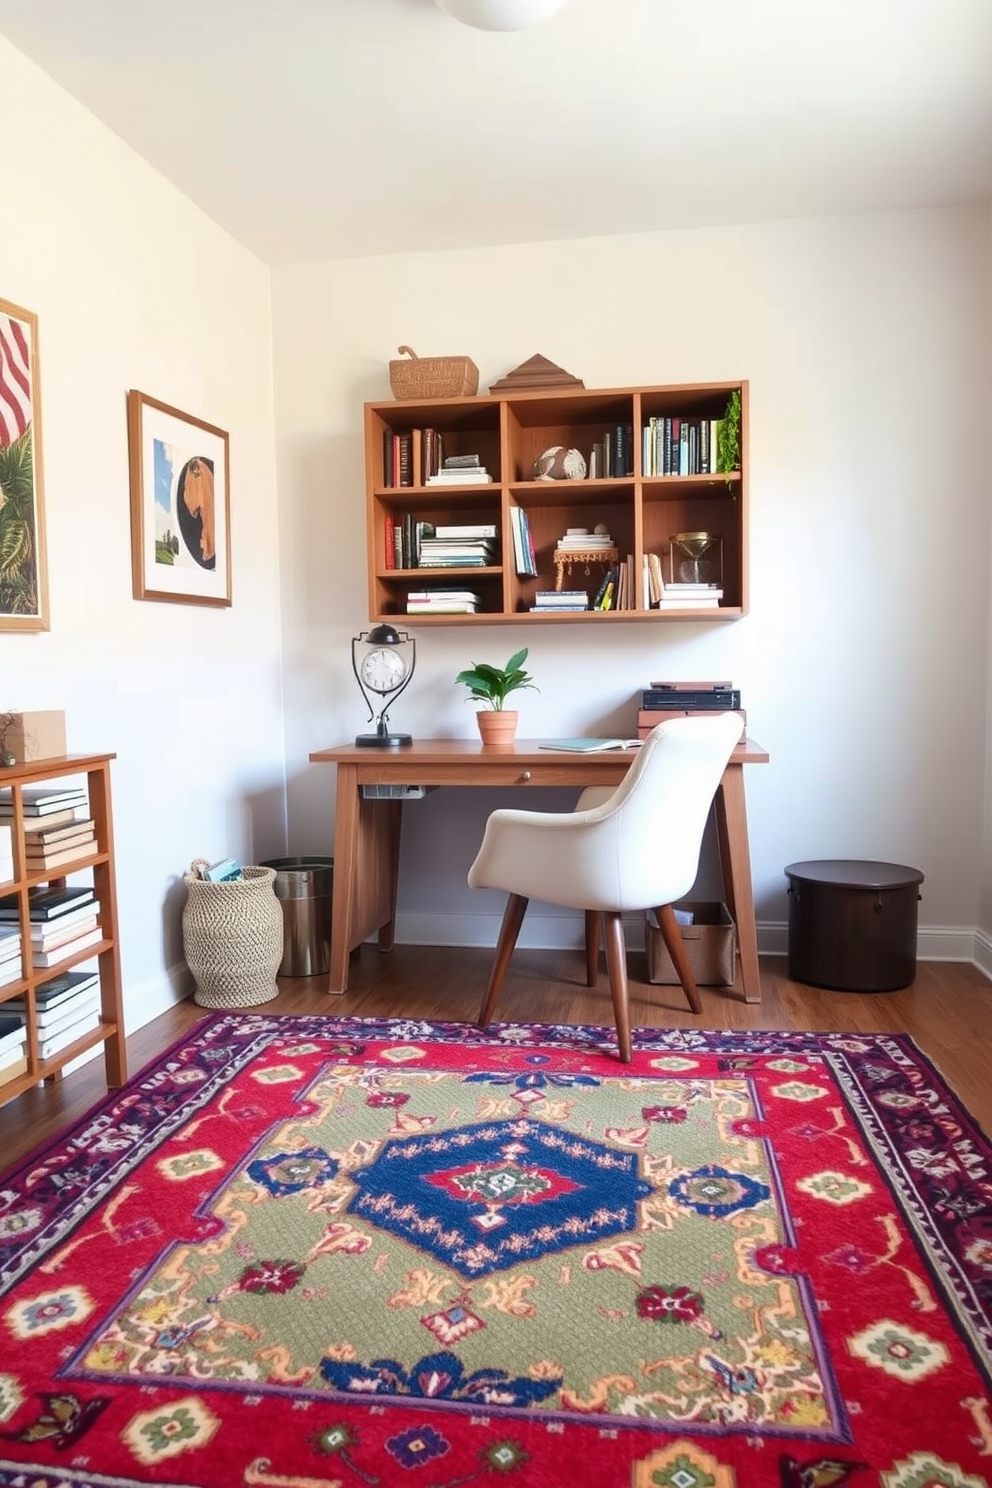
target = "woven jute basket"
x: 433, y: 377
x: 232, y: 937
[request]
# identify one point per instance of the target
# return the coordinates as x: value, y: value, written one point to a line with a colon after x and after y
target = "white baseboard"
x: 565, y: 932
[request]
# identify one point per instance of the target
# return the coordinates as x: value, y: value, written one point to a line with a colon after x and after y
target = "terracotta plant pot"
x: 498, y: 726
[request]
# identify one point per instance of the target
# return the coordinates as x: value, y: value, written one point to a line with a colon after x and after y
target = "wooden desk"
x: 367, y: 832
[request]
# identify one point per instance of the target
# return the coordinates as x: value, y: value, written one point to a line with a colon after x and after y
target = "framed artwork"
x: 23, y: 564
x: 180, y: 505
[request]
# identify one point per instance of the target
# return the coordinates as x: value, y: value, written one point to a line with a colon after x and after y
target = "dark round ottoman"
x: 852, y: 924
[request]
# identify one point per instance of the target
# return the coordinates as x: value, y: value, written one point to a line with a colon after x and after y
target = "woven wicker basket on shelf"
x: 232, y: 937
x: 433, y: 377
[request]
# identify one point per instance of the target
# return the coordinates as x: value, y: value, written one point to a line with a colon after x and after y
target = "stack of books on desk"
x: 664, y: 700
x: 67, y: 1007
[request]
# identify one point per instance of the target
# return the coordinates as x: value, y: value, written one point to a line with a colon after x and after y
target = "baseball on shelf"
x: 559, y: 463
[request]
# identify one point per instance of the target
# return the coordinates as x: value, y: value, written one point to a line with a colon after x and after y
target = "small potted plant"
x: 491, y: 686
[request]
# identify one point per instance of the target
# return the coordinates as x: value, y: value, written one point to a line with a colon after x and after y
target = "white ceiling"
x: 317, y: 129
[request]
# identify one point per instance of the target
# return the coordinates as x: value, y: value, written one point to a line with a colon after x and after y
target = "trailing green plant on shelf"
x: 491, y: 685
x: 728, y: 448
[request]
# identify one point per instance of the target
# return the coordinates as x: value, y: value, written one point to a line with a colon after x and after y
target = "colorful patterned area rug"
x: 315, y: 1251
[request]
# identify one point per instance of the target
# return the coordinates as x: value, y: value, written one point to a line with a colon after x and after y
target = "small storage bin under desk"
x: 852, y: 925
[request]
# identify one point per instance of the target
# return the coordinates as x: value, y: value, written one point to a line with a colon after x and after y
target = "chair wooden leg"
x: 680, y: 960
x: 593, y: 928
x: 616, y: 964
x: 513, y: 916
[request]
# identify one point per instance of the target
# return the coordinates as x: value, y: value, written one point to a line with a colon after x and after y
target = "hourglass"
x: 700, y: 558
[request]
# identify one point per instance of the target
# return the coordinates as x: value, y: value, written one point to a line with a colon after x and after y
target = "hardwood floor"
x: 946, y: 1010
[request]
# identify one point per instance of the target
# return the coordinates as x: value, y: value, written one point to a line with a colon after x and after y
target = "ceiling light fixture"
x: 500, y: 15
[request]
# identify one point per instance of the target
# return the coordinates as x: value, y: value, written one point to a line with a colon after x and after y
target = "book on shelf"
x: 46, y: 903
x: 51, y: 818
x: 46, y: 937
x: 35, y: 847
x: 37, y: 862
x: 589, y: 746
x: 66, y: 1036
x: 439, y: 606
x: 13, y: 1045
x: 69, y: 948
x: 690, y: 602
x: 11, y: 1023
x: 729, y: 697
x: 46, y: 831
x: 462, y: 462
x: 460, y: 478
x: 10, y: 1071
x: 57, y: 990
x: 466, y: 529
x: 40, y: 801
x: 81, y: 1005
x: 11, y: 971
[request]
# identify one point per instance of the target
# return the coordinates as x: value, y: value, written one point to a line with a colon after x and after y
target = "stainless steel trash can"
x: 303, y: 888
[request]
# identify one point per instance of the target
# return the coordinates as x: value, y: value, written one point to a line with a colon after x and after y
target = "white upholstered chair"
x: 622, y: 850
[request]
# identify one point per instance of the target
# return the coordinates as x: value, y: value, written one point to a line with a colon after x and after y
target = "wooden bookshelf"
x: 640, y: 509
x: 98, y: 865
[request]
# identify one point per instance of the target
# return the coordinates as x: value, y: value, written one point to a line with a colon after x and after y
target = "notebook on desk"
x: 590, y: 746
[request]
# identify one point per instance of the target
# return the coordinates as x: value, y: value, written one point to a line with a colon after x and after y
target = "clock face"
x: 383, y: 669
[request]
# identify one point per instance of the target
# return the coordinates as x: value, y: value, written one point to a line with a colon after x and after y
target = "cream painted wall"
x: 865, y: 340
x: 135, y: 288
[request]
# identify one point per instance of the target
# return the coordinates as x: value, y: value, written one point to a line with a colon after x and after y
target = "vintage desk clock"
x: 383, y: 660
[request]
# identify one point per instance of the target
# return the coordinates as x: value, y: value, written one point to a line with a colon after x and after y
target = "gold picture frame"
x: 23, y: 557
x: 180, y: 505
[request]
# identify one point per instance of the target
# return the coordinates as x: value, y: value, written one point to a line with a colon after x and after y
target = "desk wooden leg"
x: 390, y: 814
x: 345, y: 875
x: 731, y: 822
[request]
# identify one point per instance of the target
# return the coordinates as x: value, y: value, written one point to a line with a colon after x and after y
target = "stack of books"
x: 665, y: 700
x: 56, y: 830
x: 460, y: 470
x: 63, y: 922
x: 459, y: 552
x: 690, y: 596
x: 6, y: 855
x: 579, y: 540
x: 68, y: 1007
x: 13, y: 1045
x: 11, y: 961
x: 442, y: 602
x: 550, y: 601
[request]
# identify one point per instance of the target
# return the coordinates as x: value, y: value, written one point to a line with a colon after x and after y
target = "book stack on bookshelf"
x: 63, y: 922
x: 10, y: 954
x: 665, y: 700
x: 689, y: 596
x: 581, y: 540
x: 468, y: 547
x: 460, y: 470
x: 67, y: 1008
x: 442, y: 602
x: 55, y: 831
x: 6, y: 855
x: 551, y: 601
x: 13, y: 1045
